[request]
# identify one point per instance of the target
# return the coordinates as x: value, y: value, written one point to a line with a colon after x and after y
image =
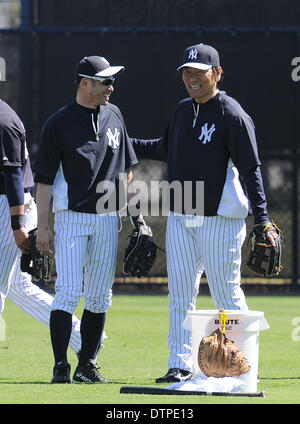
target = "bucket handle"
x: 222, y: 320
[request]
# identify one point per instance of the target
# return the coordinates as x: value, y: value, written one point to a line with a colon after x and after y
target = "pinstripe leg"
x: 37, y: 303
x: 101, y: 264
x: 2, y: 303
x: 31, y: 299
x: 220, y: 241
x: 71, y: 239
x: 9, y: 251
x: 183, y: 263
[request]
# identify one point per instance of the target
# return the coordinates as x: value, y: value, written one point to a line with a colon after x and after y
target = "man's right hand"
x: 45, y: 241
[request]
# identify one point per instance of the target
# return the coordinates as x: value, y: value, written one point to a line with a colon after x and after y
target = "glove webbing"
x: 135, y: 241
x: 260, y: 258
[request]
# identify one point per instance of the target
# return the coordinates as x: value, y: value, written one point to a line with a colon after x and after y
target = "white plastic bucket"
x: 242, y: 327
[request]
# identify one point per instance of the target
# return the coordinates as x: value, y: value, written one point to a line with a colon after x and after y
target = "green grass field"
x: 136, y: 353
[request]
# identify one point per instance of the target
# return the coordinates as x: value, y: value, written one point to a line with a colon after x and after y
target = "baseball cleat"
x: 175, y: 375
x: 88, y: 373
x: 61, y: 373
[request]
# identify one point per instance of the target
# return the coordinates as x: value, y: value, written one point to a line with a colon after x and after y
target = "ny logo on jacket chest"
x: 206, y: 133
x: 113, y: 138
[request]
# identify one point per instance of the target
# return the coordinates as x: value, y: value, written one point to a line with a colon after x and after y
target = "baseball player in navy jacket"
x: 18, y: 215
x: 83, y: 144
x: 209, y: 138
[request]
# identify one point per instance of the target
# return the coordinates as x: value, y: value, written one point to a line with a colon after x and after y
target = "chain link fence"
x: 38, y: 67
x: 166, y: 13
x: 278, y: 182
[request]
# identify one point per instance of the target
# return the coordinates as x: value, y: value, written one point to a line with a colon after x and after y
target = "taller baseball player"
x: 17, y: 217
x: 209, y: 138
x: 83, y: 145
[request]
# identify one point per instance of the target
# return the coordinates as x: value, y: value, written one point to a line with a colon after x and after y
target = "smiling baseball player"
x: 84, y: 144
x: 209, y: 138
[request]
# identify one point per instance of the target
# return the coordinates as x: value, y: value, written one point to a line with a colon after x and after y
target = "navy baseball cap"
x: 200, y: 56
x: 96, y: 66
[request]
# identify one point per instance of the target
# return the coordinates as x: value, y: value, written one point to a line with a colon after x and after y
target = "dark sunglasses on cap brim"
x: 104, y: 81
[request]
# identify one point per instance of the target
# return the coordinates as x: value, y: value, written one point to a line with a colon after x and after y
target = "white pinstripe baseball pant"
x: 214, y: 246
x: 85, y: 249
x: 16, y: 285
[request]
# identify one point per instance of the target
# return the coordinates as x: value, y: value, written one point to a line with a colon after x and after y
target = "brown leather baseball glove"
x: 220, y: 357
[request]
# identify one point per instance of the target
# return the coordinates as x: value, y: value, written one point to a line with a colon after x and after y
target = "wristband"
x: 17, y: 222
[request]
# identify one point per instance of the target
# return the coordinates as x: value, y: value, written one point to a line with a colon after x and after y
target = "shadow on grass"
x: 23, y: 382
x: 279, y: 378
x: 61, y: 384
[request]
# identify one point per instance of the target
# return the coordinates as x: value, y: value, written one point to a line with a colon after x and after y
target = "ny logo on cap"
x: 193, y: 54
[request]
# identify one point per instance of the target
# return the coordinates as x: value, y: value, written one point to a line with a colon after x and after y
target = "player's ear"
x: 218, y: 73
x: 83, y: 82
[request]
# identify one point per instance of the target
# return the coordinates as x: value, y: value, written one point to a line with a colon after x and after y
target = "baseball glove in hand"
x: 36, y: 263
x: 265, y: 259
x: 140, y: 255
x: 220, y: 357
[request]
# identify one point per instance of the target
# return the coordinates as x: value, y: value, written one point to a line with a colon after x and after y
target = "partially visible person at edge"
x: 17, y: 217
